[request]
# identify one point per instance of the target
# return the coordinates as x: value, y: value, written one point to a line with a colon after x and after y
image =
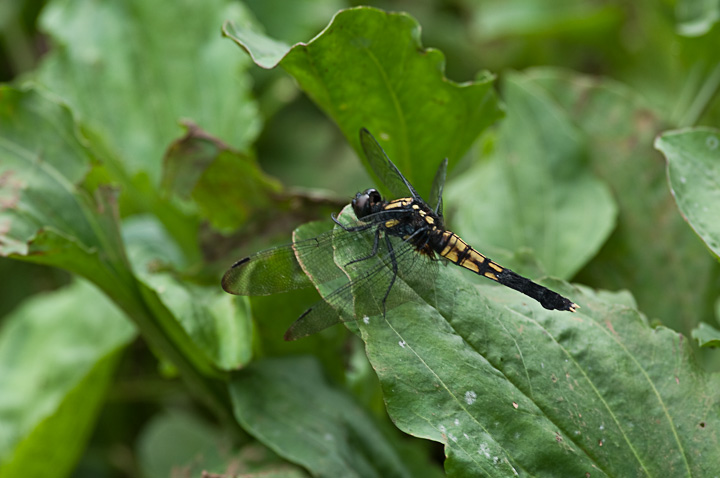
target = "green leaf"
x: 199, y: 166
x: 511, y: 388
x: 693, y: 158
x: 45, y: 217
x: 49, y: 219
x: 293, y: 20
x: 289, y: 406
x: 501, y: 19
x: 131, y: 75
x: 368, y: 69
x: 176, y: 441
x: 696, y: 17
x: 706, y: 335
x: 131, y: 78
x: 672, y: 279
x: 58, y: 353
x: 219, y: 324
x: 535, y: 193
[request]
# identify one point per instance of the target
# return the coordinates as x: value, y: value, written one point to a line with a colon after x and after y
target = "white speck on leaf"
x: 456, y: 422
x: 366, y: 319
x: 683, y: 179
x: 328, y: 437
x: 442, y: 429
x: 484, y: 450
x: 470, y: 397
x: 712, y: 142
x: 402, y: 343
x: 452, y: 437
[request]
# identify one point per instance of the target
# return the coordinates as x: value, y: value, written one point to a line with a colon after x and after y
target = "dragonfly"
x: 402, y: 238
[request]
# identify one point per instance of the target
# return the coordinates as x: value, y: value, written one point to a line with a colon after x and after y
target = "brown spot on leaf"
x: 10, y: 187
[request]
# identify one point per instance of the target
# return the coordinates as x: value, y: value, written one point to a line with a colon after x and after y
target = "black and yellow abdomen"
x: 453, y: 248
x: 450, y: 246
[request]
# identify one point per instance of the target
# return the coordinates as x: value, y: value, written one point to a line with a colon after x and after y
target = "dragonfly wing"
x: 267, y: 272
x: 374, y: 289
x: 385, y: 169
x: 339, y: 304
x: 318, y: 317
x: 436, y: 202
x: 277, y: 270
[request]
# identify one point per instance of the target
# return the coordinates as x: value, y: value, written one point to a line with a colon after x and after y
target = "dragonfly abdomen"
x: 450, y: 246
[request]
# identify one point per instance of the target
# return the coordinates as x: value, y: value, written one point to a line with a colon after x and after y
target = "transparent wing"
x: 436, y: 202
x: 373, y: 285
x: 388, y: 173
x: 277, y: 270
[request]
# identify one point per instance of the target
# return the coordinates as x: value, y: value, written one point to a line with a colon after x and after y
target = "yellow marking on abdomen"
x: 490, y: 275
x: 402, y: 202
x: 496, y: 267
x: 474, y: 256
x: 472, y: 266
x: 472, y: 261
x: 391, y: 223
x: 451, y: 251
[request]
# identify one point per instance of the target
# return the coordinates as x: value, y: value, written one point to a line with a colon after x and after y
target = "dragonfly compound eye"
x: 364, y: 202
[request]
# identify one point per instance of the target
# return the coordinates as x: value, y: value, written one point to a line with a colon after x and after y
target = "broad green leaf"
x: 651, y: 252
x: 132, y: 70
x: 218, y: 323
x: 28, y: 279
x: 177, y: 441
x: 227, y: 186
x: 696, y: 17
x: 535, y: 193
x: 288, y: 405
x: 513, y: 389
x: 46, y: 217
x: 706, y: 335
x: 368, y: 69
x: 49, y: 218
x: 58, y: 352
x: 693, y: 158
x: 294, y: 20
x: 501, y: 18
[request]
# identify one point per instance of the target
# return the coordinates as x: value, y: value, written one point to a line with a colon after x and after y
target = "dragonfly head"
x: 365, y: 203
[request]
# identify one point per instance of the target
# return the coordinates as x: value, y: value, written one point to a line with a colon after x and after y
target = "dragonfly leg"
x: 393, y: 263
x: 361, y: 227
x: 374, y: 249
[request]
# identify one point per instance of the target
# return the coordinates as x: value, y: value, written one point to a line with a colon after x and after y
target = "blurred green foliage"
x: 142, y: 152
